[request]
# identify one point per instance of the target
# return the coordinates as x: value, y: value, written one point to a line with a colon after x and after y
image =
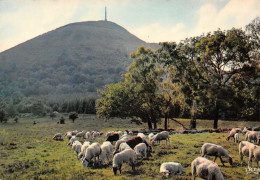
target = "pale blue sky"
x: 150, y: 20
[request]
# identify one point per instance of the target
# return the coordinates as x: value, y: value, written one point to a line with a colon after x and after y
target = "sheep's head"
x: 115, y: 168
x: 85, y: 163
x: 165, y: 173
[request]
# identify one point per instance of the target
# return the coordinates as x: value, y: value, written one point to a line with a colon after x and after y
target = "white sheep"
x: 95, y: 135
x: 205, y: 169
x: 58, y: 136
x: 168, y: 168
x: 118, y: 144
x: 244, y: 149
x: 76, y: 146
x: 72, y: 139
x: 142, y: 136
x: 252, y: 136
x: 237, y: 137
x: 233, y: 132
x: 126, y: 156
x: 106, y: 152
x: 217, y: 151
x: 254, y: 152
x: 141, y: 150
x: 74, y: 132
x: 87, y: 135
x: 69, y: 135
x: 81, y: 134
x: 150, y: 136
x: 123, y: 146
x: 164, y: 135
x: 91, y: 153
x: 84, y: 146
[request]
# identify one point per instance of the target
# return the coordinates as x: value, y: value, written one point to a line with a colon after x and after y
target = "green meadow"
x: 27, y: 151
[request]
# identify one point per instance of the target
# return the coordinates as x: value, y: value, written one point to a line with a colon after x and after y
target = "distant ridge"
x: 76, y: 58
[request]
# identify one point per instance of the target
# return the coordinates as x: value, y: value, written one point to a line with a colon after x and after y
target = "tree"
x: 137, y: 97
x: 73, y: 116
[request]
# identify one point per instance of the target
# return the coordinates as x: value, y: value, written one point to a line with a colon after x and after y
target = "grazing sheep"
x: 69, y: 135
x: 254, y: 152
x: 244, y: 149
x: 168, y: 168
x: 106, y: 152
x: 150, y: 136
x: 87, y: 135
x: 142, y: 136
x: 74, y: 132
x: 141, y: 150
x: 237, y: 137
x: 95, y: 135
x: 84, y: 146
x: 72, y: 139
x: 136, y: 140
x: 126, y: 156
x: 205, y: 169
x: 120, y: 133
x: 113, y: 137
x: 58, y: 136
x: 252, y: 136
x: 215, y: 150
x: 164, y: 135
x: 109, y: 133
x: 76, y: 146
x: 233, y: 132
x: 246, y: 129
x: 91, y: 152
x: 80, y: 134
x: 118, y: 144
x: 123, y: 146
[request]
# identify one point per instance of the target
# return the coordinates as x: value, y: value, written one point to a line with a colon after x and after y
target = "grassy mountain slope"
x: 76, y: 58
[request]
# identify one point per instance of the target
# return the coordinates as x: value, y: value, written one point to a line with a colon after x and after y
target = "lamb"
x: 76, y: 146
x: 118, y: 144
x: 150, y: 136
x: 237, y: 137
x: 254, y: 152
x: 168, y: 168
x: 164, y: 135
x: 87, y: 135
x: 58, y: 136
x: 233, y: 132
x: 136, y: 140
x: 215, y: 150
x: 123, y: 146
x: 106, y: 152
x: 84, y: 146
x: 91, y: 152
x: 206, y: 169
x: 244, y: 149
x: 95, y: 135
x: 72, y: 139
x: 141, y: 150
x: 127, y: 156
x: 252, y: 135
x: 142, y: 136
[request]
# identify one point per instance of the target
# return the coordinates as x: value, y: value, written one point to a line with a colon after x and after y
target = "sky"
x: 150, y: 20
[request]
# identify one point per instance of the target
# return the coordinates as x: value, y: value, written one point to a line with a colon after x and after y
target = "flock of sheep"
x: 130, y: 148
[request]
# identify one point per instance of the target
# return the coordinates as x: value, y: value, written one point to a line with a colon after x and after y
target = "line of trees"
x: 215, y: 75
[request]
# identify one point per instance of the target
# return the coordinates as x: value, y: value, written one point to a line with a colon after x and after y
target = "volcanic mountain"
x: 75, y: 58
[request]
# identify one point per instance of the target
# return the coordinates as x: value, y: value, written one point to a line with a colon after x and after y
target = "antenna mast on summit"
x: 105, y: 13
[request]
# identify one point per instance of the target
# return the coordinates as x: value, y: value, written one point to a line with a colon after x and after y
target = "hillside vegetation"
x: 76, y: 58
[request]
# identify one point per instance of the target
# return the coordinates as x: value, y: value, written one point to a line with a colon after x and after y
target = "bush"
x: 3, y: 117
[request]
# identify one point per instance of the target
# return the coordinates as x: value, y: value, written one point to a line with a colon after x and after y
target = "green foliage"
x: 3, y: 118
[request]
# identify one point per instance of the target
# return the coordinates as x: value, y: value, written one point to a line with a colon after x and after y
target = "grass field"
x: 27, y: 151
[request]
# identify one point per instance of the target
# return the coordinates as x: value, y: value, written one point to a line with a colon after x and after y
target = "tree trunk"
x: 149, y: 123
x: 216, y: 116
x: 193, y: 123
x: 154, y: 125
x: 166, y: 121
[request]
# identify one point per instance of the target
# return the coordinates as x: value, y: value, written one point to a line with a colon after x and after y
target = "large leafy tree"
x: 137, y: 96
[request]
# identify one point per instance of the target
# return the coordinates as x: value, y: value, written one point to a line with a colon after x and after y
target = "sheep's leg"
x: 120, y: 170
x: 215, y: 158
x: 221, y: 161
